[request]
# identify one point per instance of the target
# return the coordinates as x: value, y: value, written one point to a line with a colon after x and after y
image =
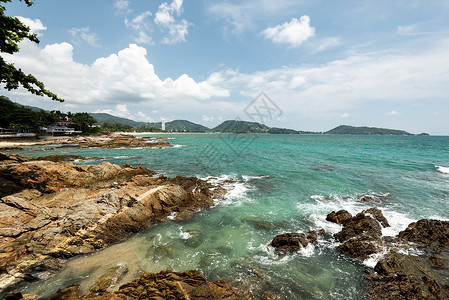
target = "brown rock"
x: 431, y: 233
x: 53, y: 211
x: 288, y: 242
x: 173, y: 285
x: 339, y: 217
x: 361, y: 235
x: 72, y: 292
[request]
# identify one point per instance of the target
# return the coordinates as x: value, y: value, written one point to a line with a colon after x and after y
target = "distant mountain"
x: 234, y: 126
x: 184, y: 125
x: 104, y: 117
x: 345, y: 129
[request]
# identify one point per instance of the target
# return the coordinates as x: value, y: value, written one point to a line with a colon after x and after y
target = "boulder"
x: 339, y: 217
x: 289, y: 242
x: 361, y: 235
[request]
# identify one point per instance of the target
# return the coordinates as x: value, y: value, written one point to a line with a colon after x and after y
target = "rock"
x: 52, y: 211
x: 339, y: 217
x: 374, y: 198
x: 13, y: 295
x: 173, y: 285
x: 195, y: 239
x: 377, y: 214
x: 288, y: 242
x: 398, y: 275
x: 433, y: 234
x: 361, y: 235
x: 108, y: 279
x: 72, y: 292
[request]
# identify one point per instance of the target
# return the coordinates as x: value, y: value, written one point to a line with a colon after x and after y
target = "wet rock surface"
x: 290, y: 242
x: 169, y: 285
x: 415, y: 263
x: 51, y: 211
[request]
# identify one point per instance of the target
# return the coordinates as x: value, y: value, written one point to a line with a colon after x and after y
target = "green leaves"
x: 12, y: 31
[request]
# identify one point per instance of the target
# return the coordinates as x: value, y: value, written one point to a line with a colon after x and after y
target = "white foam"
x: 441, y: 169
x: 172, y: 216
x: 179, y: 146
x: 236, y: 189
x: 398, y: 222
x: 373, y: 259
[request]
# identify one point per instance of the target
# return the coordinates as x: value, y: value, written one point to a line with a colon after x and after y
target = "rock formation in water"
x: 289, y: 242
x: 415, y: 263
x: 51, y: 211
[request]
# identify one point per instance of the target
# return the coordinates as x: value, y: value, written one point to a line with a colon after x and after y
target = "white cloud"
x: 345, y: 115
x: 35, y: 25
x: 84, y: 34
x: 120, y: 111
x: 58, y: 53
x: 393, y: 113
x: 242, y: 15
x: 293, y: 33
x: 122, y: 6
x: 142, y: 26
x: 165, y: 18
x: 406, y: 30
x: 329, y: 43
x: 125, y: 77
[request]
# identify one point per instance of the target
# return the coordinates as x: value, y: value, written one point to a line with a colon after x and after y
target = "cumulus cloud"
x: 35, y: 25
x: 84, y: 34
x: 122, y: 6
x: 293, y: 33
x: 142, y: 26
x: 165, y: 18
x: 125, y: 77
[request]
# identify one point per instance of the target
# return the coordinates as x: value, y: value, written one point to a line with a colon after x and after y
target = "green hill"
x: 234, y: 126
x: 345, y: 129
x: 104, y: 117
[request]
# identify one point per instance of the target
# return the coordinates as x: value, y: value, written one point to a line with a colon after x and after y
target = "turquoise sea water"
x: 305, y: 177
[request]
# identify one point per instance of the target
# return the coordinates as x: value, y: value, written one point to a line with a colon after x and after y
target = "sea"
x: 280, y: 183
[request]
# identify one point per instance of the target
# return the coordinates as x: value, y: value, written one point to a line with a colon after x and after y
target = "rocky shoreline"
x: 412, y: 265
x: 102, y: 140
x: 52, y: 209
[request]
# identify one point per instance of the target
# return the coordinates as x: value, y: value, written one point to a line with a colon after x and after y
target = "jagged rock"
x: 424, y: 275
x: 433, y: 234
x: 52, y: 211
x: 173, y: 285
x: 288, y: 242
x: 361, y: 235
x: 339, y: 217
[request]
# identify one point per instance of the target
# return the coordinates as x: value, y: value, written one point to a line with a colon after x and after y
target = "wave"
x: 441, y: 169
x: 324, y: 205
x: 236, y: 190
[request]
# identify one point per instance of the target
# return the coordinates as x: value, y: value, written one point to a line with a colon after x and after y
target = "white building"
x: 163, y: 124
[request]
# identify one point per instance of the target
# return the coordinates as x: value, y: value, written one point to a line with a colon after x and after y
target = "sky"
x: 301, y: 64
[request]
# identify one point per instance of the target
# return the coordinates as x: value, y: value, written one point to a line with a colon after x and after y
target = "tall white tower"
x: 163, y: 125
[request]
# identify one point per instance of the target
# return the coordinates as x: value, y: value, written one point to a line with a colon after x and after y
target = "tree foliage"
x: 12, y: 31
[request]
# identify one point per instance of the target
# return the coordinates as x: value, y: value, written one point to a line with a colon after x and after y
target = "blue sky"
x: 323, y: 63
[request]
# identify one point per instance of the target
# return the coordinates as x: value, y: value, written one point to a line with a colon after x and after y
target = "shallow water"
x: 305, y: 178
